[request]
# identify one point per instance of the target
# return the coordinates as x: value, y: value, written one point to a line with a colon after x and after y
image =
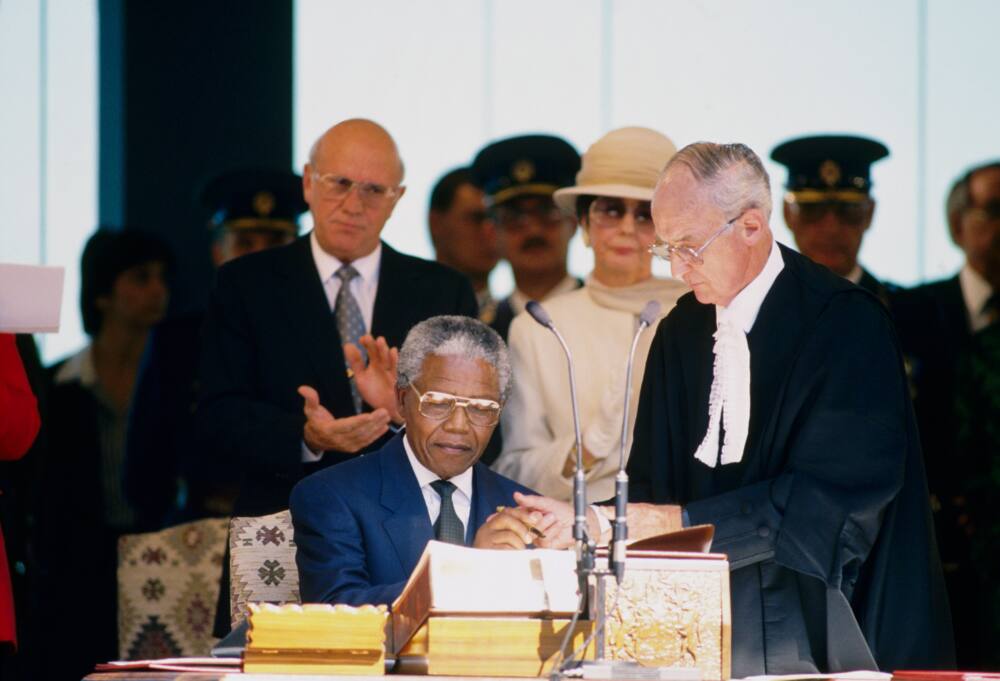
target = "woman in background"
x: 82, y: 505
x: 611, y: 200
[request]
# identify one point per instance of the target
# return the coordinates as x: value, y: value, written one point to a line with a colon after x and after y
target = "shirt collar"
x: 854, y: 276
x: 743, y: 309
x: 425, y: 476
x: 80, y: 368
x: 327, y: 265
x: 519, y: 300
x: 975, y: 290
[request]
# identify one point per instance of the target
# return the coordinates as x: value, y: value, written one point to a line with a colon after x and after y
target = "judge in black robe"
x: 825, y: 519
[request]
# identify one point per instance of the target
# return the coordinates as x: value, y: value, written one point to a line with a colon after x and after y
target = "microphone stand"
x: 585, y: 546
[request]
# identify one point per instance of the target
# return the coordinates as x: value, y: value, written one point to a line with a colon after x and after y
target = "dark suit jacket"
x: 934, y: 331
x: 269, y: 330
x: 361, y: 526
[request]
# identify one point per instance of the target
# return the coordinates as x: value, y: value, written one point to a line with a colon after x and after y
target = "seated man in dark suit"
x: 361, y: 526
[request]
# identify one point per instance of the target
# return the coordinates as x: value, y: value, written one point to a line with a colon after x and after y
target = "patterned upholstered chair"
x: 261, y: 562
x: 168, y: 587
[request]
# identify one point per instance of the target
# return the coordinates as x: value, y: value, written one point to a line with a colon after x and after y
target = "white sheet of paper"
x: 30, y: 298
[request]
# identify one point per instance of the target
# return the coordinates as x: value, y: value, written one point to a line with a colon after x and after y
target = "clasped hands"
x: 376, y: 383
x: 556, y: 520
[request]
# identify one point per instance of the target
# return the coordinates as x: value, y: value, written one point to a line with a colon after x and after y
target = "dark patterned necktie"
x: 448, y: 526
x: 350, y: 323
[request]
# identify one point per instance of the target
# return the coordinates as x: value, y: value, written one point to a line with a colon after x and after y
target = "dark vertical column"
x: 189, y: 89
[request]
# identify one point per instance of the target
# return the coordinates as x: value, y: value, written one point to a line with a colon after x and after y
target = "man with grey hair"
x: 775, y: 407
x: 361, y: 526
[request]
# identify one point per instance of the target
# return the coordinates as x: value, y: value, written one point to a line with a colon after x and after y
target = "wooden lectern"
x: 479, y: 612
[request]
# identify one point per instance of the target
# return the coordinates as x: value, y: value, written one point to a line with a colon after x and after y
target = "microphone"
x: 583, y: 559
x: 619, y: 531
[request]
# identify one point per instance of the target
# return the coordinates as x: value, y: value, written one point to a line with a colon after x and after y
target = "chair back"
x: 168, y: 588
x: 261, y: 562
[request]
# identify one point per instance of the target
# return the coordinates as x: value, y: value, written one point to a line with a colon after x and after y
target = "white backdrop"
x: 447, y: 76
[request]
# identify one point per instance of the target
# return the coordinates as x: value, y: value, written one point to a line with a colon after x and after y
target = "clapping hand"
x: 324, y: 431
x: 376, y: 382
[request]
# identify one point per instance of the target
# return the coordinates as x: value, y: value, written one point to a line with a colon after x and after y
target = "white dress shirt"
x: 975, y: 291
x: 742, y: 310
x: 461, y: 498
x: 364, y: 287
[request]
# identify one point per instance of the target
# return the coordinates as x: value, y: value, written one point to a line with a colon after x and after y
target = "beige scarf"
x: 634, y: 297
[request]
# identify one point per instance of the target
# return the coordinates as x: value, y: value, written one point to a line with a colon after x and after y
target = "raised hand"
x: 376, y: 382
x: 324, y: 431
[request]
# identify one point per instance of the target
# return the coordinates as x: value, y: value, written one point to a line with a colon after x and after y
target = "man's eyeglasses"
x: 337, y: 187
x: 691, y: 256
x: 853, y: 213
x: 516, y: 218
x: 608, y: 212
x: 439, y: 406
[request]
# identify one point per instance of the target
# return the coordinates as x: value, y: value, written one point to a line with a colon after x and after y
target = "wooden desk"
x: 239, y: 676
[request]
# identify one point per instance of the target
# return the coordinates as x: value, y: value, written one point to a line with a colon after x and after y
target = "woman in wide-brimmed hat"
x: 611, y: 200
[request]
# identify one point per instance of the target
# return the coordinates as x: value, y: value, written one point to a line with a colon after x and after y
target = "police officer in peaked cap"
x: 828, y: 203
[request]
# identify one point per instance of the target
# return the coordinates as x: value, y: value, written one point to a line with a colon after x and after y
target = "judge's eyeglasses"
x: 690, y: 256
x: 439, y: 406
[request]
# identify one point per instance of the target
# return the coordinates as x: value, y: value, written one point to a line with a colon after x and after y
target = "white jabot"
x: 364, y: 287
x: 975, y: 292
x: 729, y: 397
x: 461, y: 498
x: 519, y: 300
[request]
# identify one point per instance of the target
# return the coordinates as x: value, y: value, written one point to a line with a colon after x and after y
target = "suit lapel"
x: 308, y: 312
x: 395, y: 284
x: 408, y: 527
x: 486, y: 496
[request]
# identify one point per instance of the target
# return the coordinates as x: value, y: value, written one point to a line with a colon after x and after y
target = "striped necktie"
x: 350, y: 323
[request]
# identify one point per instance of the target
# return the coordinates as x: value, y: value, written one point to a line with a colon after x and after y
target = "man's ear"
x: 401, y: 399
x: 752, y: 226
x: 786, y: 211
x: 869, y: 216
x: 434, y: 223
x: 307, y: 183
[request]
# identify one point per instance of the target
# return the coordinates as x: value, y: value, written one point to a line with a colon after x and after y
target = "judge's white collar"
x: 742, y: 310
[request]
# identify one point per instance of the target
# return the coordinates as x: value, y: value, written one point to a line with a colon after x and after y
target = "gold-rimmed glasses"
x: 337, y: 187
x: 439, y: 406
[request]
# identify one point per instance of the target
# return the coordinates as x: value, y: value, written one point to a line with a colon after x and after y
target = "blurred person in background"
x: 518, y: 176
x: 939, y: 324
x: 611, y: 202
x: 168, y: 470
x: 82, y: 505
x: 828, y: 203
x: 464, y: 239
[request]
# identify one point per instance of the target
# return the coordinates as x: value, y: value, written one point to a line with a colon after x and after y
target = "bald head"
x: 352, y: 183
x: 364, y: 132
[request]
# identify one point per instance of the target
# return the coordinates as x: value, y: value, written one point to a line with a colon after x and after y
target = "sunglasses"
x: 853, y: 213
